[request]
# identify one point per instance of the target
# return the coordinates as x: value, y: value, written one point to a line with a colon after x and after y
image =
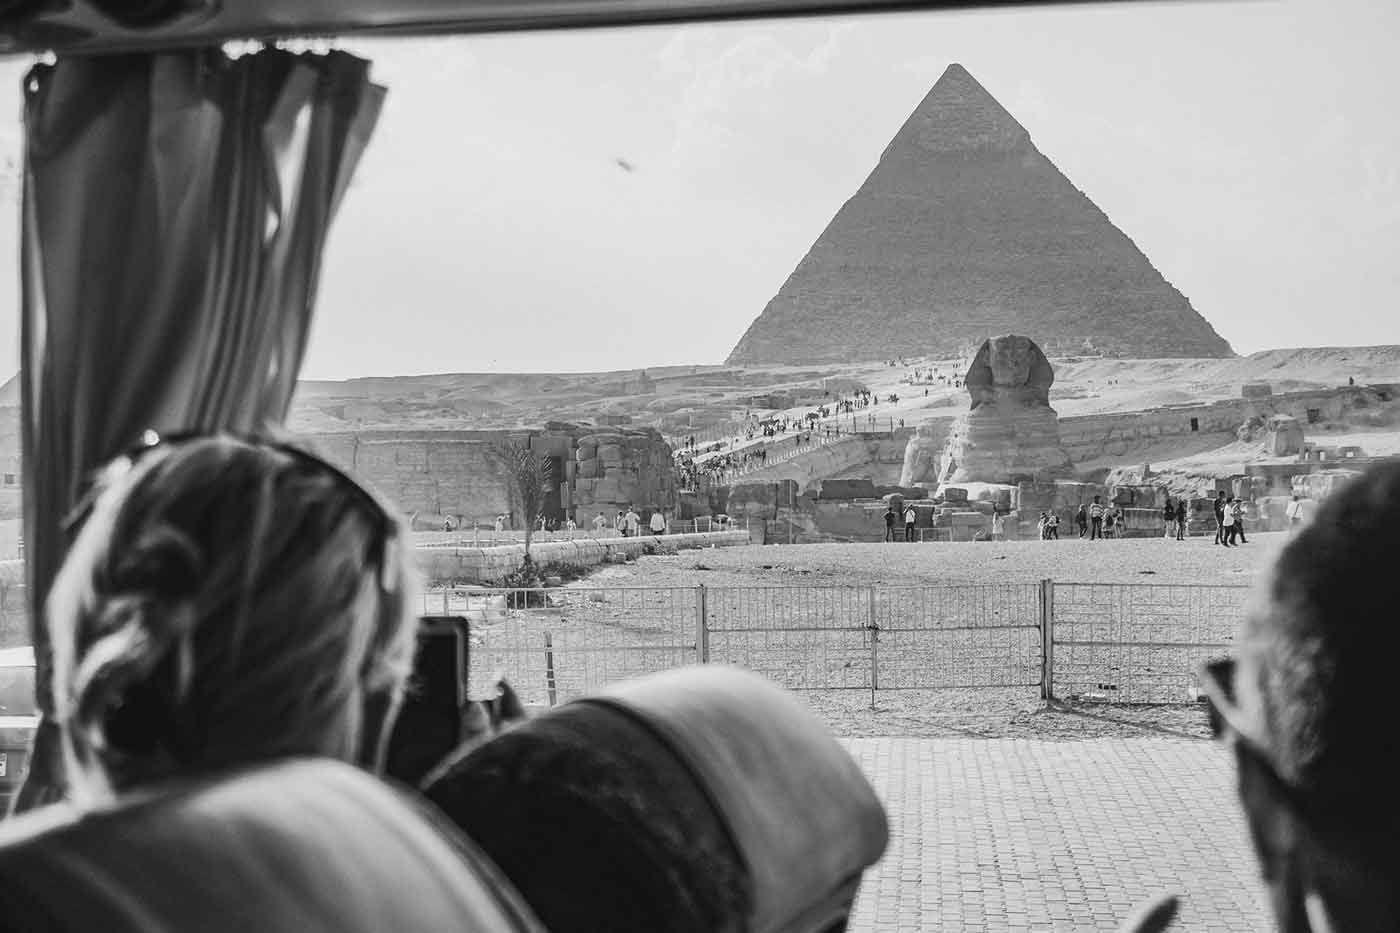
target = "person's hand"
x: 483, y: 719
x: 1152, y: 917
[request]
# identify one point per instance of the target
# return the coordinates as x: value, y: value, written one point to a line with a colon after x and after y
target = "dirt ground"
x: 1130, y: 560
x: 993, y: 713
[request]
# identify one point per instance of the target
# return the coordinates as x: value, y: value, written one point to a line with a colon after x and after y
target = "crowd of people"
x: 724, y: 460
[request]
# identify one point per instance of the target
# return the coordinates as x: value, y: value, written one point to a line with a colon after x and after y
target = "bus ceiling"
x: 96, y: 26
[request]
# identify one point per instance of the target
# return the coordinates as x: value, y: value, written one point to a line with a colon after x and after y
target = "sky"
x: 1251, y: 149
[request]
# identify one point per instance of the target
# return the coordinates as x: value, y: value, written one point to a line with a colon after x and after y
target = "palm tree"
x: 529, y: 475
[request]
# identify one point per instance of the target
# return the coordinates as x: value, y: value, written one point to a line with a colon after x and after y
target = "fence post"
x: 874, y: 628
x: 446, y: 600
x: 549, y: 667
x: 1047, y: 640
x: 702, y: 630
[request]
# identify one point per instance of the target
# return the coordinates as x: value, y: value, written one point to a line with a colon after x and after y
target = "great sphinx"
x: 1010, y: 433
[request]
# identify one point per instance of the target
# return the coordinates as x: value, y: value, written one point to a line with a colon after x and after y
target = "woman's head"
x: 226, y: 601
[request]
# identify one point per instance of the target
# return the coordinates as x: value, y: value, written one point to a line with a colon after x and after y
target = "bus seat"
x: 804, y: 817
x: 708, y: 766
x: 300, y: 845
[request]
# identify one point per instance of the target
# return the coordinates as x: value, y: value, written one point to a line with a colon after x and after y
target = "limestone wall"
x: 1094, y: 437
x: 461, y: 473
x: 615, y: 470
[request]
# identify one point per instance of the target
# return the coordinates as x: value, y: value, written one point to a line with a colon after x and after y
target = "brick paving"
x: 1019, y: 834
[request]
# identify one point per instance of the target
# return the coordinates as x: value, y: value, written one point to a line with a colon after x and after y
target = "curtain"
x: 175, y: 210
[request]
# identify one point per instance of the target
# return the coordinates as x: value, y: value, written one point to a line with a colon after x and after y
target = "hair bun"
x: 163, y: 565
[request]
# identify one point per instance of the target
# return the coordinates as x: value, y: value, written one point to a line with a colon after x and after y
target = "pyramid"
x: 963, y: 231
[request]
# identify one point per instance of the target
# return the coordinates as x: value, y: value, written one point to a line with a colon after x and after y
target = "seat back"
x: 302, y: 845
x: 804, y: 818
x: 598, y: 825
x: 606, y: 800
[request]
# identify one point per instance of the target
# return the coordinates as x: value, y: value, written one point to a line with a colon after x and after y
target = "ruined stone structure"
x: 435, y: 474
x: 965, y: 230
x: 923, y: 455
x: 1010, y: 433
x: 1284, y: 437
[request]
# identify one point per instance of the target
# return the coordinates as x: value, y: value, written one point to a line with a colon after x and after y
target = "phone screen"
x: 429, y: 725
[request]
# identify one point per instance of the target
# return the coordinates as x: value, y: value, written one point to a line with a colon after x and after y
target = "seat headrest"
x: 804, y: 818
x: 303, y: 845
x: 598, y: 824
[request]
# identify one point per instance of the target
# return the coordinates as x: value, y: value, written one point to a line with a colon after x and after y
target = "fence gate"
x: 934, y: 637
x: 804, y: 638
x: 1139, y: 643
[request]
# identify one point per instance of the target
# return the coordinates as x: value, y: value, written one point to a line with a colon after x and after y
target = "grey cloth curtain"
x: 175, y: 209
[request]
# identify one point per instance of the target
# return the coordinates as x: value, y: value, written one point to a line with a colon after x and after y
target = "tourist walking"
x: 910, y: 516
x: 1181, y: 519
x: 1040, y: 525
x: 658, y: 523
x: 620, y: 524
x: 634, y: 522
x: 889, y: 522
x: 1081, y: 518
x: 1052, y: 527
x: 599, y: 523
x: 1227, y: 523
x: 1168, y: 519
x: 1237, y: 510
x: 1096, y: 511
x: 998, y: 526
x: 1220, y: 517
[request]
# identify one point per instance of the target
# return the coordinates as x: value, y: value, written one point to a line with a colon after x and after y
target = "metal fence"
x: 1139, y: 643
x: 1125, y: 643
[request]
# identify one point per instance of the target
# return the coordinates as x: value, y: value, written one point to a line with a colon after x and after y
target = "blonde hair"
x: 226, y: 601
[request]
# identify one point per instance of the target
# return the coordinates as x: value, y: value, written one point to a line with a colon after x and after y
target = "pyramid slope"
x: 964, y: 230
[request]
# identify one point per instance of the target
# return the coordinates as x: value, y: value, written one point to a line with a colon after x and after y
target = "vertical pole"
x: 1047, y: 640
x: 874, y: 628
x: 792, y: 502
x: 549, y: 667
x: 446, y: 597
x: 702, y: 630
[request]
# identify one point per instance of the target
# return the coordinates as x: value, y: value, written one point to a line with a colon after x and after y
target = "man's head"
x: 1096, y: 498
x: 1220, y: 494
x: 1307, y: 702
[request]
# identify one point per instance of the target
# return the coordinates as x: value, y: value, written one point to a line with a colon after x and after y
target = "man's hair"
x: 1327, y: 641
x: 226, y: 602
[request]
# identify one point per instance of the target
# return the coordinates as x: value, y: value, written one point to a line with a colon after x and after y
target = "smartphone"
x: 429, y: 725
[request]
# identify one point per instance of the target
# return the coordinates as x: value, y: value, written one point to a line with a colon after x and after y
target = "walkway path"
x: 1008, y: 834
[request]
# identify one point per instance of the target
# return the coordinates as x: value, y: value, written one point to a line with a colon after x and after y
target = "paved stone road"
x: 1013, y: 834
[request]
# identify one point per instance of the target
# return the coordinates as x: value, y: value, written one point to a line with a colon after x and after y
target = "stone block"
x: 845, y: 489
